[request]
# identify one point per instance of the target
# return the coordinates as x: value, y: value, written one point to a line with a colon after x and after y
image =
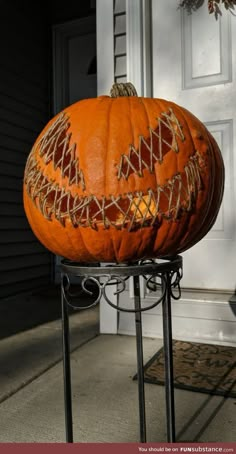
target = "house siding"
x: 24, y: 110
x: 120, y: 55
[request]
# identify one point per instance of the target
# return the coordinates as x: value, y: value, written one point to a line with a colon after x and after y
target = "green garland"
x: 213, y: 6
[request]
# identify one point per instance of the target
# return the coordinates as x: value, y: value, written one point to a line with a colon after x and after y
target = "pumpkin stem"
x: 123, y: 89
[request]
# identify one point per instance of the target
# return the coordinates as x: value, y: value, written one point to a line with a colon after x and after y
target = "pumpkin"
x: 120, y: 178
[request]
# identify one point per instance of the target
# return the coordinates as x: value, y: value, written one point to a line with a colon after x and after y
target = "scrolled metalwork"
x: 69, y: 296
x: 158, y: 276
x: 132, y: 310
x: 175, y: 278
x: 152, y: 284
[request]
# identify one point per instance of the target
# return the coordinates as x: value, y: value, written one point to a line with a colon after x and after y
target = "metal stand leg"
x: 66, y: 369
x: 168, y: 352
x: 115, y: 274
x: 140, y: 374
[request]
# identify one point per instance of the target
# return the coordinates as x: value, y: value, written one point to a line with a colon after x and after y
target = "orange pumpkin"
x: 122, y: 178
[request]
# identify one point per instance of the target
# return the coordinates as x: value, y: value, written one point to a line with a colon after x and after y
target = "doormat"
x: 198, y: 367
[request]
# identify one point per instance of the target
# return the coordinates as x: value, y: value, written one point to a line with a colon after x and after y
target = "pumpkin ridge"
x: 107, y: 145
x: 142, y: 100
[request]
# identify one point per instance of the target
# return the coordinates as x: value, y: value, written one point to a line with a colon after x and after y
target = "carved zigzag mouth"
x: 130, y: 210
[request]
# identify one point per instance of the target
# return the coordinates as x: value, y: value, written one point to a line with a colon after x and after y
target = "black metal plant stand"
x: 163, y: 276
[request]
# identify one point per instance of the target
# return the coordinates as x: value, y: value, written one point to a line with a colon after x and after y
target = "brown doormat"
x: 197, y: 367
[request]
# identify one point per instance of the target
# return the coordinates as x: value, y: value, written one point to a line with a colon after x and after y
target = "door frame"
x: 61, y: 33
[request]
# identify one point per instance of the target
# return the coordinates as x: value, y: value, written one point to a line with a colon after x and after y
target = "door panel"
x: 194, y: 66
x: 206, y: 51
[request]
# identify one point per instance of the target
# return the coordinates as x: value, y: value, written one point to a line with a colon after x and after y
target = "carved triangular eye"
x: 152, y: 149
x: 56, y: 146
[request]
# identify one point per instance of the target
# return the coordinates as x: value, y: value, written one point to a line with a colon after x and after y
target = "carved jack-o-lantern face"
x: 122, y: 178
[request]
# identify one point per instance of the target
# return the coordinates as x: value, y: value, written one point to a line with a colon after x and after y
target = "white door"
x: 194, y: 65
x: 193, y: 62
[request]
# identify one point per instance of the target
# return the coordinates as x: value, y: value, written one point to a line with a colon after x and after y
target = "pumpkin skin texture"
x: 122, y: 178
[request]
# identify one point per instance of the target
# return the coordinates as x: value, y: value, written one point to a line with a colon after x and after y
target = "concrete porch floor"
x: 105, y: 403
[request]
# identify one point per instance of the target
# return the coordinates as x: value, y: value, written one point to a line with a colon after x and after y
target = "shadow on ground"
x: 23, y: 312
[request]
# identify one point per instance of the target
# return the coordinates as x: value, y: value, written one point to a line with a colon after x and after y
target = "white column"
x: 105, y: 46
x: 105, y: 79
x: 139, y: 42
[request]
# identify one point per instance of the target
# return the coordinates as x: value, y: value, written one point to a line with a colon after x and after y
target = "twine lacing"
x: 55, y: 146
x: 131, y: 210
x: 165, y: 139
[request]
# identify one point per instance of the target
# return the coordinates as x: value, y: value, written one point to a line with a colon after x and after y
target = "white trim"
x: 197, y: 317
x: 138, y: 24
x: 105, y: 46
x: 147, y: 48
x: 105, y: 79
x: 108, y: 315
